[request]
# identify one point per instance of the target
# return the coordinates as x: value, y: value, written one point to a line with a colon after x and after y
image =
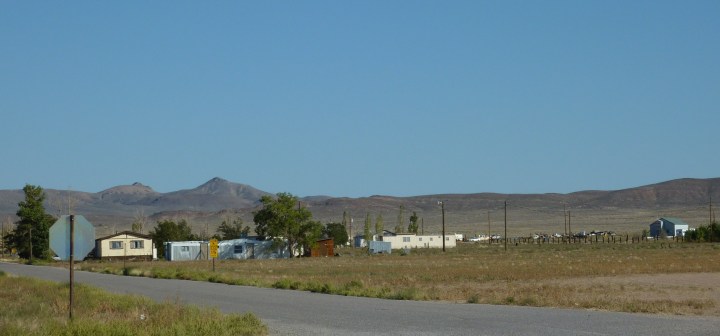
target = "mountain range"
x: 205, y: 207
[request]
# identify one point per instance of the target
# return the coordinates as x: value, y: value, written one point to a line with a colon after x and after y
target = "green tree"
x: 709, y: 233
x: 4, y: 234
x: 281, y: 218
x: 337, y: 232
x: 366, y: 230
x: 379, y: 225
x: 413, y: 226
x: 168, y: 230
x: 310, y: 232
x: 232, y: 230
x: 33, y: 229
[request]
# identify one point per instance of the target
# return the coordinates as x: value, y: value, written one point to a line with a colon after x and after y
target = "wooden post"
x: 505, y: 226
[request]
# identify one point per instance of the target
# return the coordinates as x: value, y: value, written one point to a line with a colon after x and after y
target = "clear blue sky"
x: 357, y: 98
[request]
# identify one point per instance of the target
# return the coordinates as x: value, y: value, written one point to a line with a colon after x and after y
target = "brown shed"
x: 324, y: 248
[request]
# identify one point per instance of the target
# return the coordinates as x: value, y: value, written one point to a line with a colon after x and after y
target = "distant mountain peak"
x: 217, y: 180
x: 218, y: 185
x: 127, y: 193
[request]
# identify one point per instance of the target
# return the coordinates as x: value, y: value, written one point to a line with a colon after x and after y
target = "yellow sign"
x: 213, y: 248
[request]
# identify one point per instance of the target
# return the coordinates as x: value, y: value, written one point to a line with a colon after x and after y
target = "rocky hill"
x: 114, y: 209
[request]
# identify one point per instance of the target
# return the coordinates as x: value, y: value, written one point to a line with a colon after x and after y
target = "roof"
x: 129, y: 233
x: 675, y: 221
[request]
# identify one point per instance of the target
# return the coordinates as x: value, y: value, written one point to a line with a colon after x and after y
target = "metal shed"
x: 186, y: 250
x: 380, y: 247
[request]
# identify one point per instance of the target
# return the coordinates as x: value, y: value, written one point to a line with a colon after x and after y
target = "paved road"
x: 289, y: 312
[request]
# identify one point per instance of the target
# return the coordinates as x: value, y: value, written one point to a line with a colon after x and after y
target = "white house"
x: 411, y: 240
x: 125, y: 245
x: 673, y: 227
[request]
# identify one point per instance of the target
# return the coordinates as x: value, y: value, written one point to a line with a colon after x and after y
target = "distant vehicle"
x: 479, y: 238
x: 557, y: 235
x: 495, y: 236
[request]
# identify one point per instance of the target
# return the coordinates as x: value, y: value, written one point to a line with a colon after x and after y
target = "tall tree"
x: 400, y: 220
x: 413, y: 226
x: 232, y: 230
x: 282, y: 218
x: 346, y: 222
x: 168, y: 230
x: 366, y: 232
x: 139, y: 221
x: 337, y: 232
x: 4, y: 231
x: 32, y: 231
x: 379, y: 225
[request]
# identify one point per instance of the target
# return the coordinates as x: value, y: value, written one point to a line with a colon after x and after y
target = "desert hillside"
x: 204, y: 207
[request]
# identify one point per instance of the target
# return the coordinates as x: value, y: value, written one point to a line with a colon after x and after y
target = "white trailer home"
x: 250, y: 248
x: 411, y: 240
x: 242, y: 248
x: 125, y: 245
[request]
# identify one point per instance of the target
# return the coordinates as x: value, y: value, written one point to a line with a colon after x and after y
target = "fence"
x: 597, y: 239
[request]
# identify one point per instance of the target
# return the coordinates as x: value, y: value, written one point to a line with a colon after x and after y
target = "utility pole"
x: 2, y: 240
x: 565, y: 219
x: 30, y: 232
x: 488, y: 213
x: 569, y: 227
x: 711, y: 211
x: 506, y: 238
x: 422, y: 226
x: 125, y: 252
x: 442, y: 207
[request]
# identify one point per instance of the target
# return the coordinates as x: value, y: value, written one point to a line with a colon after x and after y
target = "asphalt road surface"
x: 289, y: 312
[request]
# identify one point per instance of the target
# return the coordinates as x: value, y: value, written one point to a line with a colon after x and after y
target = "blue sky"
x: 358, y: 98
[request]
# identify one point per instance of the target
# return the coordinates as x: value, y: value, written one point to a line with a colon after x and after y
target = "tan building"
x: 125, y: 245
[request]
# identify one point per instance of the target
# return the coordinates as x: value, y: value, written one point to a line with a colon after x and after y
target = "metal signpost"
x: 213, y: 251
x: 72, y: 266
x: 72, y: 238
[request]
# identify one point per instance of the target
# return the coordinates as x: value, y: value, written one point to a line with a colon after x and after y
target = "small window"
x: 137, y: 244
x: 184, y: 248
x: 237, y: 249
x: 419, y: 238
x: 431, y: 238
x: 116, y: 245
x: 406, y: 239
x: 447, y: 238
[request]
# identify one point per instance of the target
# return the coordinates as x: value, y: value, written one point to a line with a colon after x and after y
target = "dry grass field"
x: 34, y: 307
x: 651, y: 277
